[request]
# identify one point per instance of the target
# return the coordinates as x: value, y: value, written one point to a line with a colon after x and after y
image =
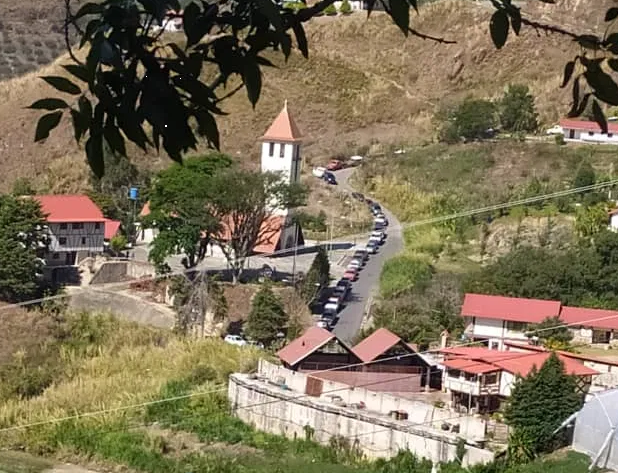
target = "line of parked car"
x: 341, y: 291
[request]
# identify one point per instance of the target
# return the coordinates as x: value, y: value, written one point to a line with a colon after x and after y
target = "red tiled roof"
x: 576, y: 356
x: 374, y: 381
x: 376, y: 344
x: 597, y: 318
x: 470, y: 366
x: 69, y: 208
x: 587, y: 125
x: 518, y: 363
x: 523, y: 365
x: 307, y: 343
x: 111, y: 228
x: 476, y: 352
x: 270, y: 232
x: 283, y: 128
x: 509, y: 308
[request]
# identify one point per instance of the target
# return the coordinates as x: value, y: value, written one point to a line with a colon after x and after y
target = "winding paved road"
x: 351, y: 317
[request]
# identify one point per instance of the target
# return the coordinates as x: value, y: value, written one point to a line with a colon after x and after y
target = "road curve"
x: 351, y: 317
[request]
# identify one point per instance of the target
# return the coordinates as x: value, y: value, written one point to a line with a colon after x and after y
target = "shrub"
x: 345, y: 8
x: 559, y: 139
x: 402, y: 273
x: 517, y: 111
x: 118, y: 243
x: 470, y: 120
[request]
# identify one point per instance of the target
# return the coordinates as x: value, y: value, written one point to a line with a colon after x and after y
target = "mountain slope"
x: 364, y: 82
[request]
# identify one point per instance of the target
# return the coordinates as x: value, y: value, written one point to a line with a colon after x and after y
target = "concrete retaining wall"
x: 278, y: 411
x: 124, y: 305
x: 117, y: 271
x: 469, y: 427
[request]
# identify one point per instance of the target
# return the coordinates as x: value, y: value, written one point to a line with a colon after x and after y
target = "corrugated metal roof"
x: 307, y: 343
x: 376, y: 344
x: 509, y: 308
x: 69, y: 208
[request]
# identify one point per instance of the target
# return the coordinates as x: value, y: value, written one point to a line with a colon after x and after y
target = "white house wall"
x: 507, y: 381
x: 490, y: 328
x: 590, y: 137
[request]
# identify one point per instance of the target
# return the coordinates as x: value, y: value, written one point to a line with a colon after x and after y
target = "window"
x: 516, y: 326
x: 590, y: 133
x: 63, y: 226
x: 609, y: 135
x: 271, y: 149
x: 470, y: 377
x: 62, y: 241
x: 454, y: 373
x: 83, y: 240
x: 97, y: 226
x: 601, y: 336
x: 281, y: 150
x: 490, y: 378
x: 77, y: 226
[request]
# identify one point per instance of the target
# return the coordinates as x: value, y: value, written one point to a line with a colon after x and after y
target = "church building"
x: 281, y: 153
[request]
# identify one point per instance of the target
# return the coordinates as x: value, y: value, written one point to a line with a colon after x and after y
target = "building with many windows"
x: 76, y: 228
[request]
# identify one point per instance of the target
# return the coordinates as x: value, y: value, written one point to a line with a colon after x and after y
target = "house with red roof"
x: 382, y: 360
x: 317, y: 349
x: 480, y: 379
x: 496, y: 320
x: 76, y: 228
x: 383, y: 351
x: 589, y: 131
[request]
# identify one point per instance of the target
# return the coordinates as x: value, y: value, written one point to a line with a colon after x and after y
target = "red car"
x: 350, y: 274
x: 334, y: 165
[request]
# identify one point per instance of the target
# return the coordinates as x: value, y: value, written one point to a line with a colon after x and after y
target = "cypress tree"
x: 539, y: 403
x: 267, y: 316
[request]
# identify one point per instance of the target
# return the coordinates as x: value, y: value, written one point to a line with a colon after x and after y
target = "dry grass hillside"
x: 364, y: 82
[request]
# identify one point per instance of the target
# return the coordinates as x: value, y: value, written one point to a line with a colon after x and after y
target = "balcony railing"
x: 474, y: 388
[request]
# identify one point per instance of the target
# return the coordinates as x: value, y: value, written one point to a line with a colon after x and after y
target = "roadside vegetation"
x: 100, y: 363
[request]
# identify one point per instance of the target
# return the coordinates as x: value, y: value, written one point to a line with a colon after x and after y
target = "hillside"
x: 364, y: 82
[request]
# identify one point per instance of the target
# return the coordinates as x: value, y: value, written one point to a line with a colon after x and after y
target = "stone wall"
x: 279, y: 411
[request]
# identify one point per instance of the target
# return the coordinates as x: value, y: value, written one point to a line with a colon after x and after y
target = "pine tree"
x: 267, y: 317
x: 539, y: 403
x: 317, y: 277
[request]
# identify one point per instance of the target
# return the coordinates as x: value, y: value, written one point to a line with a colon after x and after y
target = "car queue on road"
x: 341, y: 291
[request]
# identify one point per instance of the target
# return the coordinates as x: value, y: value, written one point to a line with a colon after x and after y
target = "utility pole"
x: 295, y: 253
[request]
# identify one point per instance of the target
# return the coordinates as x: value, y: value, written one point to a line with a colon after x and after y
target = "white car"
x: 322, y: 324
x: 332, y: 304
x: 235, y: 340
x: 380, y: 235
x: 318, y: 172
x: 381, y: 219
x: 555, y: 130
x: 354, y: 264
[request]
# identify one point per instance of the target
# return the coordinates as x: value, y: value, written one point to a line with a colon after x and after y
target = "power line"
x: 443, y: 218
x: 312, y: 373
x: 514, y: 203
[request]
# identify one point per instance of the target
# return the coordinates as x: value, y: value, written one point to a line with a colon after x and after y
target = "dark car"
x: 377, y: 226
x: 330, y: 178
x: 329, y: 315
x: 344, y: 283
x: 375, y: 207
x: 358, y: 196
